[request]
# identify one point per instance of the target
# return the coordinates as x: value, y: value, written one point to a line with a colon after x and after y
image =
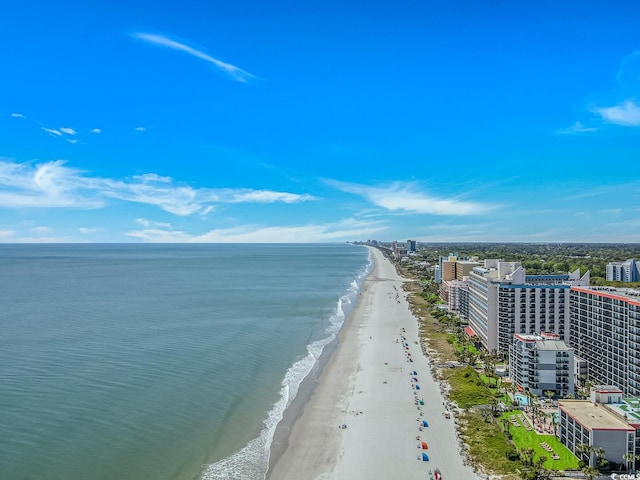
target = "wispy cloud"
x: 52, y: 131
x: 68, y: 131
x: 48, y: 185
x: 150, y: 223
x: 55, y: 185
x: 6, y: 233
x: 236, y: 73
x: 631, y: 58
x: 626, y: 114
x: 96, y: 130
x: 88, y: 230
x: 405, y: 197
x: 263, y: 196
x: 575, y: 129
x: 18, y: 115
x: 140, y: 129
x: 339, y: 231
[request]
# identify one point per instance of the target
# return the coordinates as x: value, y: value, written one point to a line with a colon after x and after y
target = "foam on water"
x: 252, y: 461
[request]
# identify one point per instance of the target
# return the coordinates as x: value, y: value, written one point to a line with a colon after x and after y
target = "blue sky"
x: 283, y: 121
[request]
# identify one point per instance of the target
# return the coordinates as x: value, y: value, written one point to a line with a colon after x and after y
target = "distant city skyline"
x: 248, y: 121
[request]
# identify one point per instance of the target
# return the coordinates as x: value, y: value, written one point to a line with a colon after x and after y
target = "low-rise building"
x: 586, y: 422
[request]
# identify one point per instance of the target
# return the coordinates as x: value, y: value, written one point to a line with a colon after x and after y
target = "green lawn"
x: 494, y: 389
x: 524, y: 438
x: 471, y: 348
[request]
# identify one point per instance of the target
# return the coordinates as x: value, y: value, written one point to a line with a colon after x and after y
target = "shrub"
x: 512, y: 454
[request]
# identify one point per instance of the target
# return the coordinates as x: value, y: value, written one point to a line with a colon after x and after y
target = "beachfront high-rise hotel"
x: 605, y: 331
x: 504, y: 300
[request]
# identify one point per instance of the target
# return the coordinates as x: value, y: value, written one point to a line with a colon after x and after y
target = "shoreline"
x: 307, y: 388
x: 365, y: 385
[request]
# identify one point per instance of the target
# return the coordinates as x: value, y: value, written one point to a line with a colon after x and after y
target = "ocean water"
x: 154, y: 362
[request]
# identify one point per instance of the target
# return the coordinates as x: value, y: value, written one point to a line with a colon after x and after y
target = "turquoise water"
x: 153, y: 362
x: 522, y: 400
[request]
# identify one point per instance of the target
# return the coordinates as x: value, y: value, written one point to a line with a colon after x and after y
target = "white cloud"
x: 266, y: 196
x: 626, y: 114
x: 152, y: 177
x: 48, y: 185
x: 40, y: 230
x: 140, y: 129
x: 150, y: 223
x: 403, y: 197
x: 236, y: 73
x: 613, y: 211
x: 96, y: 130
x: 68, y: 131
x: 6, y: 233
x: 340, y: 231
x: 18, y: 115
x: 72, y: 140
x: 52, y: 131
x: 53, y: 184
x: 88, y: 230
x: 576, y: 128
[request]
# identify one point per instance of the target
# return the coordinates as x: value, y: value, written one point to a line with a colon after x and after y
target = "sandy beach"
x: 368, y: 386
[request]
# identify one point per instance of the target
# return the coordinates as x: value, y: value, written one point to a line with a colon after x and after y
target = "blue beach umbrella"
x: 425, y: 457
x: 417, y: 387
x: 424, y: 423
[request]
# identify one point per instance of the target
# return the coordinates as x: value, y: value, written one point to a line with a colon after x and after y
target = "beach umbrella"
x: 437, y: 475
x: 415, y: 373
x: 421, y: 402
x: 424, y: 445
x: 415, y: 379
x: 425, y: 457
x: 424, y: 423
x: 417, y: 387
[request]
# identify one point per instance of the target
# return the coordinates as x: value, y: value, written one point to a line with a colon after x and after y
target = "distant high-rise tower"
x: 628, y: 271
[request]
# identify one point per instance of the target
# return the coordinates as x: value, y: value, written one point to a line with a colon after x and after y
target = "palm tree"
x: 584, y: 449
x: 600, y: 454
x: 494, y: 407
x: 630, y: 457
x: 590, y: 472
x: 489, y: 368
x: 526, y: 454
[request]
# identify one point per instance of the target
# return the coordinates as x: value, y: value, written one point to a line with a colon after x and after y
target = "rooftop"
x: 593, y: 416
x: 558, y: 345
x: 625, y: 294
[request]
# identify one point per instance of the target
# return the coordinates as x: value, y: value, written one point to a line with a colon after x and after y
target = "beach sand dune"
x: 368, y: 386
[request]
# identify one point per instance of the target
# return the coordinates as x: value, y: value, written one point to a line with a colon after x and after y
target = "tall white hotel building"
x: 605, y: 331
x: 504, y: 300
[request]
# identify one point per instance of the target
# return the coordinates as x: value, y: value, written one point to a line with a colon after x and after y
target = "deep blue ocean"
x: 158, y: 362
